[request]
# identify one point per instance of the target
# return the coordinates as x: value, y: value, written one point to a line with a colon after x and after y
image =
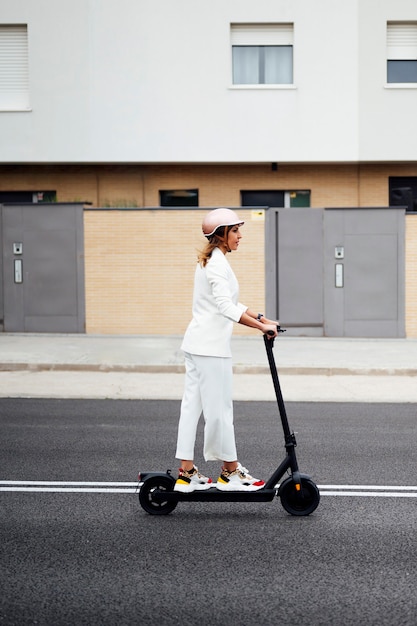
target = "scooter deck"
x: 215, y: 495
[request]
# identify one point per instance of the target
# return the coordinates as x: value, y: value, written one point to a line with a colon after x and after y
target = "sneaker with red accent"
x: 238, y: 480
x: 192, y: 480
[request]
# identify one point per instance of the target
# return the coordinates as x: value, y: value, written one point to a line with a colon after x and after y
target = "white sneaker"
x: 238, y: 480
x: 192, y: 480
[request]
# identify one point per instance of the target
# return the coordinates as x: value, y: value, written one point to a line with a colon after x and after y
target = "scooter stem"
x: 274, y: 373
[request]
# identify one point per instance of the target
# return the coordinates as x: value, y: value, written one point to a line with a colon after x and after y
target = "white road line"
x: 369, y: 491
x: 42, y: 483
x: 69, y: 489
x: 45, y: 486
x: 371, y: 494
x: 381, y: 491
x: 369, y: 487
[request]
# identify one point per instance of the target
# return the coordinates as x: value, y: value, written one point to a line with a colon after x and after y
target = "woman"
x: 208, y: 362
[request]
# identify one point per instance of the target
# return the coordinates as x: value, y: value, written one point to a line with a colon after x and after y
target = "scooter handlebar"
x: 279, y: 330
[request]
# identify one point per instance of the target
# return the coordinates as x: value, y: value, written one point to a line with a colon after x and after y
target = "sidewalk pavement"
x: 311, y: 369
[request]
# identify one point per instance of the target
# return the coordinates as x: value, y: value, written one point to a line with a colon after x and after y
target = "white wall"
x: 57, y: 127
x: 150, y: 81
x: 387, y: 114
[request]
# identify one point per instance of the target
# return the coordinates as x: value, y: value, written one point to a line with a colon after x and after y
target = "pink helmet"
x: 219, y: 217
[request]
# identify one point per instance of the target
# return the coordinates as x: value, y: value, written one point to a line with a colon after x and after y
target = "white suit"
x: 206, y: 344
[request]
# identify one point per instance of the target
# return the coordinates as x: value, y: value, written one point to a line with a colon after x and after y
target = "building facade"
x: 154, y: 112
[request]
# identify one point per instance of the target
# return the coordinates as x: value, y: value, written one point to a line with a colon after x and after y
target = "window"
x: 402, y: 52
x: 14, y: 68
x: 27, y: 196
x: 275, y: 198
x: 179, y: 197
x: 262, y: 54
x: 403, y: 192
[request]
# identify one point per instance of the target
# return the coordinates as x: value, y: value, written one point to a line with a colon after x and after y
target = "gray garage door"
x: 364, y: 272
x: 42, y: 268
x: 337, y: 272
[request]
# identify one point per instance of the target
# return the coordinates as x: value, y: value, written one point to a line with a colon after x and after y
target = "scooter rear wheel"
x: 147, y: 501
x: 301, y: 502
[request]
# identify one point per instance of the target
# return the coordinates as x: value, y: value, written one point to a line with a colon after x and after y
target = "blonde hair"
x: 219, y: 237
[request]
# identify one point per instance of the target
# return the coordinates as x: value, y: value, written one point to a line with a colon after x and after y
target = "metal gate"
x: 364, y: 272
x: 42, y: 268
x: 337, y: 272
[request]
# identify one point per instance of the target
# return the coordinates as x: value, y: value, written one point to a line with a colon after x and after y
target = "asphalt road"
x: 70, y: 558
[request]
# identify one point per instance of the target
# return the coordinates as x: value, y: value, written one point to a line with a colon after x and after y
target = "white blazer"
x: 215, y: 308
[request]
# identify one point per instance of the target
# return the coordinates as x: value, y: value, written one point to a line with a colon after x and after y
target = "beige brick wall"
x: 121, y: 246
x: 138, y: 185
x: 139, y: 269
x: 373, y: 182
x: 411, y: 275
x: 221, y: 184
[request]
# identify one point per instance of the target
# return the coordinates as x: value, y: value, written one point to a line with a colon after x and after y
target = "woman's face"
x: 233, y: 237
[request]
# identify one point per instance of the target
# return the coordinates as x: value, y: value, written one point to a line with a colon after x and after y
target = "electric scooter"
x: 298, y: 493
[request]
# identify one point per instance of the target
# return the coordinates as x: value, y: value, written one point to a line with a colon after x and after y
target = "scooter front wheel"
x: 146, y: 495
x: 299, y: 502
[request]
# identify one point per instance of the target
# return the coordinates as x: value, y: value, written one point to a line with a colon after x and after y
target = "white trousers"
x: 208, y: 390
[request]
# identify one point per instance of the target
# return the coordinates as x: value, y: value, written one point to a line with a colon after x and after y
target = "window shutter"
x: 262, y: 34
x: 14, y: 67
x: 402, y: 41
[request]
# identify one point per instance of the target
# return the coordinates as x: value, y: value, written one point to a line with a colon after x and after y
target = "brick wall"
x: 138, y: 185
x: 139, y: 269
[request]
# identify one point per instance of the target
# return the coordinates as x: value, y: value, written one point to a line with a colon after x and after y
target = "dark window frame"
x: 25, y: 196
x: 402, y: 191
x: 178, y: 197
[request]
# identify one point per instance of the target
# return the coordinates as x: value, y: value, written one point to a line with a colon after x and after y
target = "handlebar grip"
x: 279, y: 330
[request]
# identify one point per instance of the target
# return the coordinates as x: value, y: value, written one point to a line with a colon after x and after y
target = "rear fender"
x: 142, y: 476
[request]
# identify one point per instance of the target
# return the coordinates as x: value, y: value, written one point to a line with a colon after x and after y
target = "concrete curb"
x: 179, y: 369
x: 169, y: 386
